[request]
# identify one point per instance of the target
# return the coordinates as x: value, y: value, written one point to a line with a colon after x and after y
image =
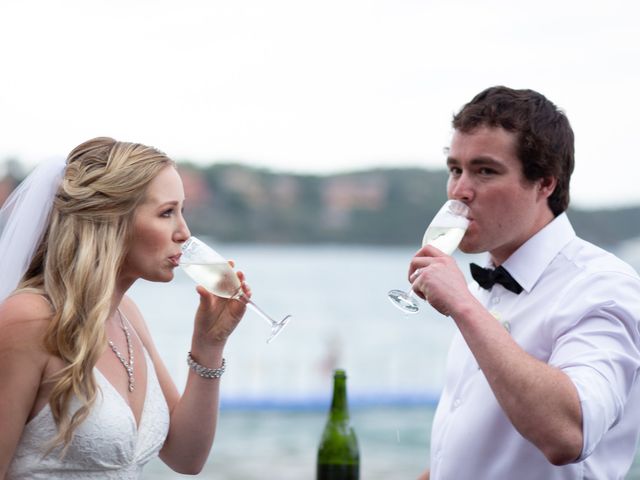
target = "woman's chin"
x: 162, y: 277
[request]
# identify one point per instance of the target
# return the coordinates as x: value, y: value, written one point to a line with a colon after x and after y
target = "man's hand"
x: 437, y: 278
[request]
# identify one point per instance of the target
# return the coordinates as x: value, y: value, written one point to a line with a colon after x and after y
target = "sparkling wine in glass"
x: 445, y: 233
x: 208, y: 268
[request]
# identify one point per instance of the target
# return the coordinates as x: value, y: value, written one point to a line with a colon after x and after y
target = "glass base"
x: 403, y: 301
x: 277, y: 328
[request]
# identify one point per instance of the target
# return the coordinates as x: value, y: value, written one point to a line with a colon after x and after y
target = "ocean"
x: 275, y: 397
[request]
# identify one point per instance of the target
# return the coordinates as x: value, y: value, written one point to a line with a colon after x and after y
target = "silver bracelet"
x: 203, y: 371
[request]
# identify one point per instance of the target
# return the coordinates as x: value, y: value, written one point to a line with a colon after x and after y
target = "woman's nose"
x: 183, y: 232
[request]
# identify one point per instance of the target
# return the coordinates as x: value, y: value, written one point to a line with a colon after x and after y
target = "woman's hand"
x: 194, y: 414
x: 217, y: 317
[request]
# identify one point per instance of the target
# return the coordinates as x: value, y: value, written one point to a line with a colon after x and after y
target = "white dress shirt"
x: 579, y: 312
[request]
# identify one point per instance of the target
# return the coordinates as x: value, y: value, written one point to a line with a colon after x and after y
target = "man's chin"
x: 470, y: 249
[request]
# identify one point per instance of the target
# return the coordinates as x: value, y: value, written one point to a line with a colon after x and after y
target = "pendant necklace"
x: 128, y: 365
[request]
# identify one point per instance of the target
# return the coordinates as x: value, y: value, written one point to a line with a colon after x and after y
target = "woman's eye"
x: 167, y: 213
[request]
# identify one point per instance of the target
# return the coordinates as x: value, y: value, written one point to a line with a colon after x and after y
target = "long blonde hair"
x: 78, y: 261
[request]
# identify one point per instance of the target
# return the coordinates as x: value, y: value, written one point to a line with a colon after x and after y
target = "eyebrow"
x: 159, y: 203
x: 170, y: 203
x: 478, y: 161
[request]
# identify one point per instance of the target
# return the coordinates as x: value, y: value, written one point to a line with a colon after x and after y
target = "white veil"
x: 23, y: 219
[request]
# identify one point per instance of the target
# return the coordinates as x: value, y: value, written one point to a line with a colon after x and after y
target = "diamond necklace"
x: 128, y: 365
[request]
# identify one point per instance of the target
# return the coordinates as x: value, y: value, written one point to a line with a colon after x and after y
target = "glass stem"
x: 413, y: 296
x: 261, y: 312
x: 250, y: 303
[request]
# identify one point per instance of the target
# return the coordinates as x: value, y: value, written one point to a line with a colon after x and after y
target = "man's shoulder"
x: 591, y: 259
x: 587, y: 280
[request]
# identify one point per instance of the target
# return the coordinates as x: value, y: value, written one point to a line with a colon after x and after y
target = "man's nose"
x: 461, y: 188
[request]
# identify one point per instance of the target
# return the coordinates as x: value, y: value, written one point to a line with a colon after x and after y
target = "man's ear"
x: 547, y: 185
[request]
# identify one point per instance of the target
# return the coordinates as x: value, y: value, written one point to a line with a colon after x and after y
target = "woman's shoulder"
x: 24, y: 318
x: 27, y: 305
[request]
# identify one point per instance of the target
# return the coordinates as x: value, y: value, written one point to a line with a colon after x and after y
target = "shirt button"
x: 495, y: 300
x: 456, y: 403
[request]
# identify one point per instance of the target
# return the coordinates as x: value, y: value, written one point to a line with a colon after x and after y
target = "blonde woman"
x: 83, y: 391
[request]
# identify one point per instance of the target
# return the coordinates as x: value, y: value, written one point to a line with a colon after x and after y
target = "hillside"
x: 236, y: 203
x: 383, y: 206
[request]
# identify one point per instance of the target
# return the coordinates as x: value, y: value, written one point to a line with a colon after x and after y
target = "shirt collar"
x: 528, y: 262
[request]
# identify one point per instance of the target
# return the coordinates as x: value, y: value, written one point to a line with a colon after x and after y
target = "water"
x: 274, y: 398
x: 341, y: 318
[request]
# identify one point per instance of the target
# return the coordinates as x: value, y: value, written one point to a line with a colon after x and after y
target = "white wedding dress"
x: 107, y: 445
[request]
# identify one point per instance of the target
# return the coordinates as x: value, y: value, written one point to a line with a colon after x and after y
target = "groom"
x: 541, y: 374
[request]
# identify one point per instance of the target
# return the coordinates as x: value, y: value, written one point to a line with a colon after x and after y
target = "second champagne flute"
x: 445, y: 233
x: 208, y: 268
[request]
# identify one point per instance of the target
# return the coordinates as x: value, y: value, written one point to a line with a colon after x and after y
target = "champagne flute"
x: 445, y: 233
x: 208, y: 268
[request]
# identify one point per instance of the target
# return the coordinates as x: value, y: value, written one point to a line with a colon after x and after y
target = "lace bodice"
x: 107, y: 445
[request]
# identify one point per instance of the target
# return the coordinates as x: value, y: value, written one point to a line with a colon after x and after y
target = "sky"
x: 316, y: 86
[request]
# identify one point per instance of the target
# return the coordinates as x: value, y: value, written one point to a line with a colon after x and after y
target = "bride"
x: 83, y: 391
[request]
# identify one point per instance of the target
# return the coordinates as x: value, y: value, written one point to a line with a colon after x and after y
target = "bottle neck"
x: 339, y: 407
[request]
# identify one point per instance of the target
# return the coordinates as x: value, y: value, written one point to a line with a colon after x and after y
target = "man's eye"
x: 486, y: 171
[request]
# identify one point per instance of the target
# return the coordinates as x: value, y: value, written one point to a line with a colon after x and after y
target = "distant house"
x: 7, y: 184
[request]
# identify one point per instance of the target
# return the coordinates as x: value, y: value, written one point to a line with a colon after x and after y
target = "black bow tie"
x: 488, y: 277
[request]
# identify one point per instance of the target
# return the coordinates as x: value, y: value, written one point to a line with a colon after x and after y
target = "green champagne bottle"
x: 338, y: 454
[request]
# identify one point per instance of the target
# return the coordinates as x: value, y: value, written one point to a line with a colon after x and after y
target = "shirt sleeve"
x: 596, y: 343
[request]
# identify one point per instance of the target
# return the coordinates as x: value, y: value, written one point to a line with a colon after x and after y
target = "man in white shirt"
x: 541, y: 375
